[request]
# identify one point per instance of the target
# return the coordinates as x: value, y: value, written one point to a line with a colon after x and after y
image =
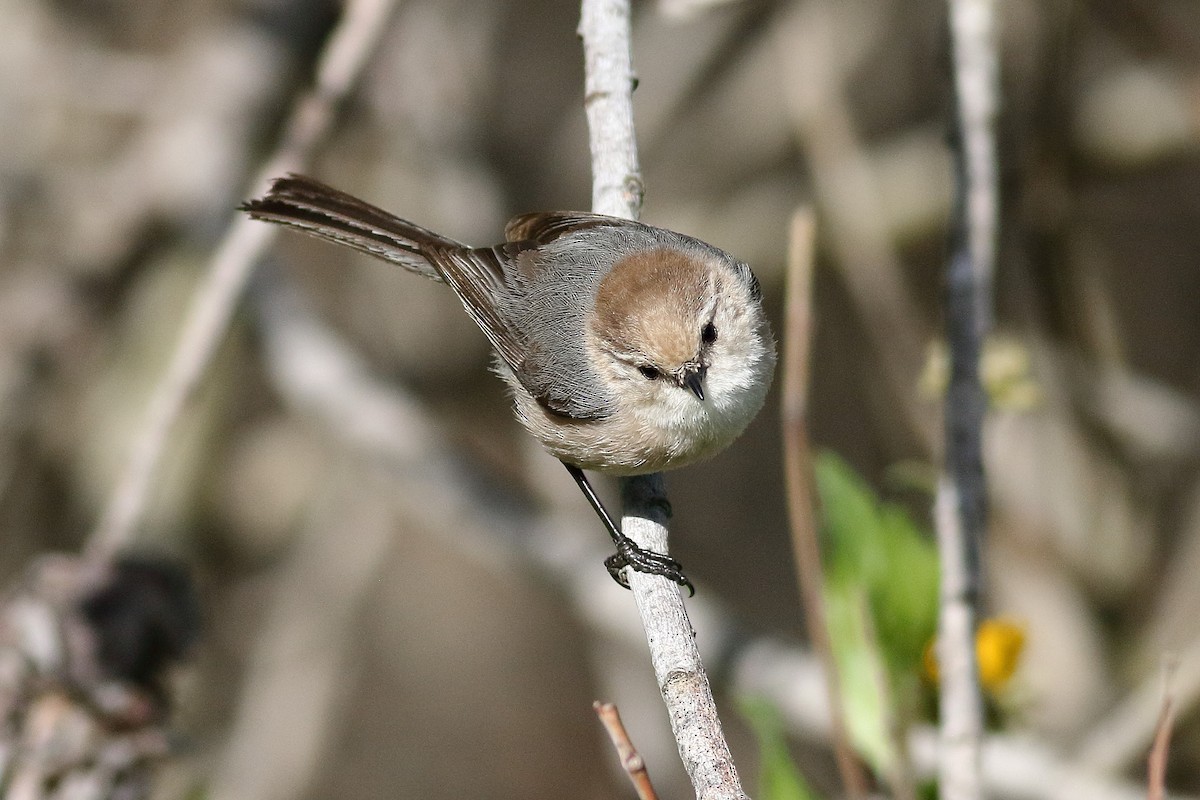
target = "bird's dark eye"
x: 648, y: 372
x: 708, y: 334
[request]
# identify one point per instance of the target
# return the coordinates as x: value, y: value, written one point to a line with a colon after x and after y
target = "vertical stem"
x: 961, y: 511
x: 609, y: 80
x: 617, y: 190
x: 797, y: 462
x: 961, y: 724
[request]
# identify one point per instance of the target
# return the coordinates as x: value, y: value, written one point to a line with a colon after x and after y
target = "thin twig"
x: 1120, y: 739
x: 631, y: 762
x: 1157, y: 767
x: 617, y: 189
x: 214, y: 301
x: 797, y: 460
x: 818, y: 59
x: 961, y: 501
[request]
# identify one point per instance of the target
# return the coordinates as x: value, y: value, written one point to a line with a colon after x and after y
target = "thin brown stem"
x: 1157, y: 768
x: 797, y: 460
x: 631, y: 761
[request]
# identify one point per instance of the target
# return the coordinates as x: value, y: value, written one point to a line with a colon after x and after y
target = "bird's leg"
x: 628, y: 553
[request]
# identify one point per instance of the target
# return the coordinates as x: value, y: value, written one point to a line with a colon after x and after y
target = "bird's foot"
x: 641, y: 560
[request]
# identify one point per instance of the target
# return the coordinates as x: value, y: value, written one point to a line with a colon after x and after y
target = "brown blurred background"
x: 361, y: 641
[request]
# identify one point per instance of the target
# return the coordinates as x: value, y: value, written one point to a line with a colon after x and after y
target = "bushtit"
x: 628, y: 349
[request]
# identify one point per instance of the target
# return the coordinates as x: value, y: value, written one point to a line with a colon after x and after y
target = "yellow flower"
x: 999, y: 643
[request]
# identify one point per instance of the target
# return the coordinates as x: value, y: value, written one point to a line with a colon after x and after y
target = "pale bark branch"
x: 961, y: 512
x: 617, y: 190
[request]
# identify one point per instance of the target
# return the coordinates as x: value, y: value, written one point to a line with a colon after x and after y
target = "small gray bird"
x: 628, y: 349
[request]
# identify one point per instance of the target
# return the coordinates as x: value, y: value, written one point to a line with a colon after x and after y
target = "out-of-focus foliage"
x: 1005, y: 370
x: 877, y: 547
x: 779, y: 777
x: 881, y: 589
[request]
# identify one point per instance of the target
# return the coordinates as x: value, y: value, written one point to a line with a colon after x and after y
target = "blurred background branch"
x: 961, y: 515
x: 802, y: 516
x: 208, y: 317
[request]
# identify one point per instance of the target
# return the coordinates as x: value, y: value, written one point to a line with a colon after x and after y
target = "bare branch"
x: 961, y: 502
x: 631, y: 762
x: 617, y: 190
x: 604, y: 26
x: 806, y: 547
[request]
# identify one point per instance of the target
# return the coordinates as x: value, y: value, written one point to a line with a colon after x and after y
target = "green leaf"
x: 780, y: 779
x: 881, y: 583
x: 877, y: 547
x: 904, y: 598
x: 850, y: 521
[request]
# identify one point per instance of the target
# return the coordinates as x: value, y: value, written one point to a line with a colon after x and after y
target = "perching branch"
x: 617, y: 190
x: 604, y: 26
x: 346, y: 52
x: 961, y: 513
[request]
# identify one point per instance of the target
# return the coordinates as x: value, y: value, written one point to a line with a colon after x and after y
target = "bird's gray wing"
x: 532, y: 315
x: 553, y: 277
x: 477, y: 276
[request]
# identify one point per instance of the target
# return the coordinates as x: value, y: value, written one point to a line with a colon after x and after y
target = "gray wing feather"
x: 477, y: 277
x: 554, y: 287
x: 532, y: 312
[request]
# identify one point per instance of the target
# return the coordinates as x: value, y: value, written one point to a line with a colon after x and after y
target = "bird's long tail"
x: 310, y: 206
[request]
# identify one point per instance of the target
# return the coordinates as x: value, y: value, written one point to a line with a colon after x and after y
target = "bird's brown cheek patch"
x: 649, y: 302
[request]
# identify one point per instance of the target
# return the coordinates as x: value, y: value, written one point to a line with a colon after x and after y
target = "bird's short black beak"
x: 693, y: 380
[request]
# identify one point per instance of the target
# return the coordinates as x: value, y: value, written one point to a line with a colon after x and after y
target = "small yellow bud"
x: 999, y: 643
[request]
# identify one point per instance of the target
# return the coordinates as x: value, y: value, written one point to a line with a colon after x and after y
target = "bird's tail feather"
x: 310, y: 206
